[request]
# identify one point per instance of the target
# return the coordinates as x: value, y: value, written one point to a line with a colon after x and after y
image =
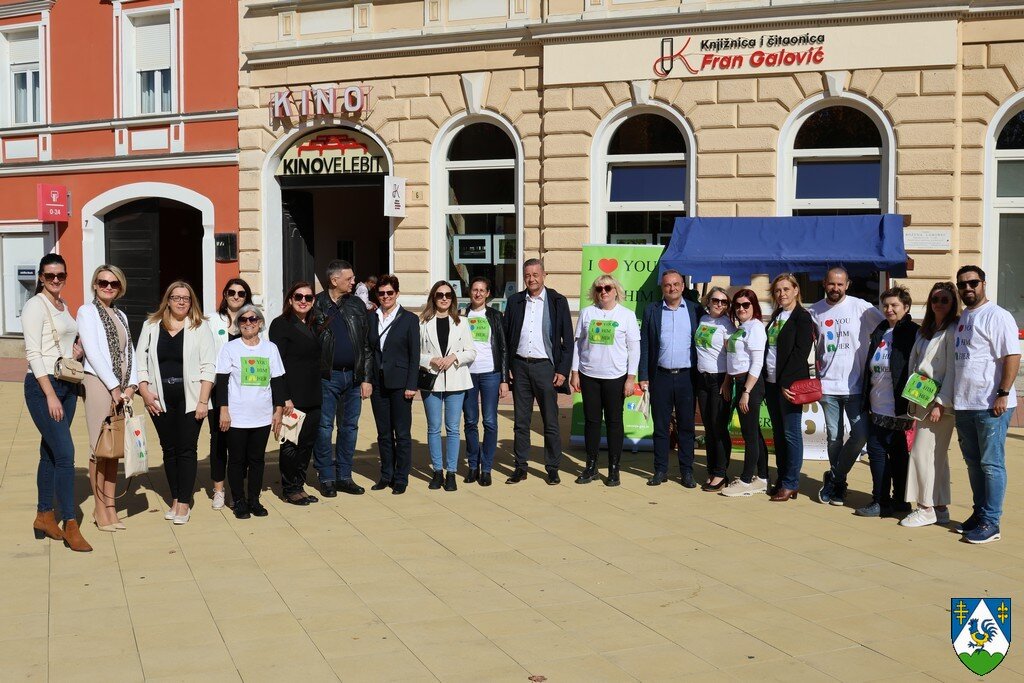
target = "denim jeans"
x: 56, y: 473
x: 450, y: 403
x: 982, y: 438
x: 482, y: 398
x: 842, y: 454
x: 341, y: 401
x: 888, y: 458
x: 788, y: 434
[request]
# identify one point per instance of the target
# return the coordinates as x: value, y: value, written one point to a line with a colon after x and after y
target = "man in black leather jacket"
x: 346, y: 364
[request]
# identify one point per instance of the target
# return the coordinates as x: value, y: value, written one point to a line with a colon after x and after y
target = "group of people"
x: 315, y: 363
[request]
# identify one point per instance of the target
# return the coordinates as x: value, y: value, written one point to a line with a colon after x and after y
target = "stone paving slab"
x: 567, y: 582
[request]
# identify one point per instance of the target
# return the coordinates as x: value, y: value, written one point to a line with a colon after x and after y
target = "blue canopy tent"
x: 743, y: 247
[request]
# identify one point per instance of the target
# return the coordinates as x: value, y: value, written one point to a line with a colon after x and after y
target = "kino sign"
x: 352, y: 99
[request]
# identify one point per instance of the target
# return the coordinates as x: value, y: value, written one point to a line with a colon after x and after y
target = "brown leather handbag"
x: 110, y: 442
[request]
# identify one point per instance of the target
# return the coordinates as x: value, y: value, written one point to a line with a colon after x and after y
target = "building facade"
x: 127, y: 112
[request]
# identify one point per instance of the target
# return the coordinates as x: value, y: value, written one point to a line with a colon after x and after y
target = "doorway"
x: 340, y: 219
x: 155, y: 242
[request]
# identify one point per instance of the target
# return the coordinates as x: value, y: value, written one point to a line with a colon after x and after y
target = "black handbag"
x: 426, y: 380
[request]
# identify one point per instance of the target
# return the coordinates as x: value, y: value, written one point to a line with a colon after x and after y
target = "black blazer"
x: 300, y: 353
x: 904, y: 335
x: 398, y: 365
x: 793, y: 347
x: 561, y: 328
x: 650, y: 337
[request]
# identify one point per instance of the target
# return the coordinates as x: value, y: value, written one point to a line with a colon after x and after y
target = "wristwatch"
x: 1002, y: 393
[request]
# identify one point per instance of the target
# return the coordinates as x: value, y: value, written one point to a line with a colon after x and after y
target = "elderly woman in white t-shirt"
x: 712, y: 387
x: 604, y: 365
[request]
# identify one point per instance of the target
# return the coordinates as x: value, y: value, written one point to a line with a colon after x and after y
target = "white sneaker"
x: 169, y: 515
x: 737, y: 487
x: 941, y: 516
x: 919, y: 517
x: 760, y: 485
x: 183, y: 519
x: 218, y: 500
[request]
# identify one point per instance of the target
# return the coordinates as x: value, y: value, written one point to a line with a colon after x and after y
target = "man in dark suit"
x: 538, y: 332
x: 395, y: 339
x: 668, y: 361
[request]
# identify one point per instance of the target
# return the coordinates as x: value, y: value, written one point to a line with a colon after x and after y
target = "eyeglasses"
x: 235, y: 293
x: 308, y: 298
x: 59, y: 277
x: 941, y: 300
x: 108, y: 284
x: 603, y: 288
x: 386, y: 292
x: 443, y: 295
x: 742, y: 304
x: 178, y: 299
x: 248, y: 320
x: 720, y: 302
x: 968, y: 284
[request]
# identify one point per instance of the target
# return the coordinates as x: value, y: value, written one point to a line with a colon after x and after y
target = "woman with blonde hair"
x: 790, y: 337
x: 110, y: 380
x: 446, y: 352
x: 713, y: 386
x: 604, y: 366
x: 177, y: 368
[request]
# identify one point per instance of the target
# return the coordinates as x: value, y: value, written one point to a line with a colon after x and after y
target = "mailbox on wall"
x: 226, y: 246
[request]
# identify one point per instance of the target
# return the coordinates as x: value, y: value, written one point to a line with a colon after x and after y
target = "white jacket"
x: 219, y: 327
x: 460, y: 342
x: 935, y: 358
x: 97, y: 350
x: 199, y: 361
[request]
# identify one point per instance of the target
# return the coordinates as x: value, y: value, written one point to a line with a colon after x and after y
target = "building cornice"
x: 25, y: 8
x: 261, y: 8
x: 110, y: 124
x: 193, y: 160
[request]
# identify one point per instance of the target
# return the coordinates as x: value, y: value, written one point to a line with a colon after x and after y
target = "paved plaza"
x: 568, y: 583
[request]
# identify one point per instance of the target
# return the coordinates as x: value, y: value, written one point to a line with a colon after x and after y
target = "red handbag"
x: 807, y: 390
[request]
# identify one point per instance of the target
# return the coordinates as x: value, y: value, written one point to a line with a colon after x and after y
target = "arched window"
x: 1008, y: 215
x: 837, y: 166
x: 480, y: 208
x: 645, y: 179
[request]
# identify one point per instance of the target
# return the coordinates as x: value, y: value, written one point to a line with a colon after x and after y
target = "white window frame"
x: 602, y: 164
x: 35, y: 115
x: 131, y: 87
x: 7, y: 71
x: 996, y: 207
x: 441, y: 207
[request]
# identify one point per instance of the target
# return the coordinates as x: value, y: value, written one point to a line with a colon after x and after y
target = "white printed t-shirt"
x: 250, y: 368
x: 607, y: 344
x: 984, y: 336
x: 710, y: 340
x: 746, y: 348
x: 771, y: 361
x: 882, y: 400
x: 480, y: 330
x: 844, y: 338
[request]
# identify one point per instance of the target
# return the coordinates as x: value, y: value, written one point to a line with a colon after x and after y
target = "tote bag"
x: 135, y: 460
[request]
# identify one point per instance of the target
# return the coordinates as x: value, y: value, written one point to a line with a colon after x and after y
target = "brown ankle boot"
x: 73, y: 537
x: 46, y: 525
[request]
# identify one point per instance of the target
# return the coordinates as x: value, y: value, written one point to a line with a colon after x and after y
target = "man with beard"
x: 844, y: 325
x: 987, y: 360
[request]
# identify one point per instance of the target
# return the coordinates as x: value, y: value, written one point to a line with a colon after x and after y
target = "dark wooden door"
x: 297, y: 233
x: 132, y: 235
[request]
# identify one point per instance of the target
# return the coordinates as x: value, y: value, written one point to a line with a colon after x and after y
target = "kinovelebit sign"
x: 335, y: 151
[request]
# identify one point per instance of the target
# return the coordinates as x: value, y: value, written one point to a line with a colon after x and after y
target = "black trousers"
x: 218, y: 443
x: 672, y: 391
x: 294, y: 458
x: 179, y: 440
x: 602, y: 396
x: 755, y: 451
x: 533, y: 381
x: 247, y: 455
x: 392, y: 412
x: 715, y: 412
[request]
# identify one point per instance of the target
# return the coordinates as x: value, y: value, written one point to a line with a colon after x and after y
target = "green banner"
x: 636, y: 268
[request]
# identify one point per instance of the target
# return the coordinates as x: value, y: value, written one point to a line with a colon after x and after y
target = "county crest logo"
x: 980, y: 630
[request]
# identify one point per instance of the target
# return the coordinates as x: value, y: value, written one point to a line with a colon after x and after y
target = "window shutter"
x: 153, y: 43
x: 24, y: 47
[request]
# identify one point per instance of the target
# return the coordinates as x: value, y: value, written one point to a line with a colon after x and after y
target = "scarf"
x: 122, y: 370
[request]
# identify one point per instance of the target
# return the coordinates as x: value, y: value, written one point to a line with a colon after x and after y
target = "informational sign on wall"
x: 335, y: 151
x: 52, y: 203
x: 394, y: 196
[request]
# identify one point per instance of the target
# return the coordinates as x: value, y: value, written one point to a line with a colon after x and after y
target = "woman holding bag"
x: 110, y: 381
x: 50, y: 332
x: 932, y: 364
x: 296, y: 341
x: 790, y: 338
x: 177, y: 368
x: 446, y: 352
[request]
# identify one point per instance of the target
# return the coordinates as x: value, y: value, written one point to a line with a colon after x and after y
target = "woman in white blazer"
x: 446, y: 351
x: 110, y: 378
x: 177, y: 365
x: 932, y: 358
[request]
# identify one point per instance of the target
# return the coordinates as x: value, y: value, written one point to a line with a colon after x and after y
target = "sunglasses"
x: 941, y: 300
x: 742, y: 304
x: 237, y: 293
x: 386, y: 292
x: 248, y: 320
x: 59, y: 277
x: 442, y: 295
x: 603, y: 288
x: 308, y: 298
x: 968, y: 284
x: 720, y: 302
x: 108, y: 284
